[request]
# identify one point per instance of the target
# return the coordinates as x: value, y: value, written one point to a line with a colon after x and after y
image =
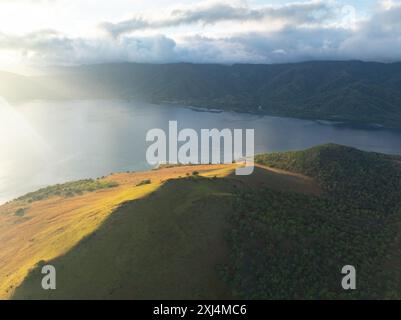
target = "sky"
x: 39, y: 33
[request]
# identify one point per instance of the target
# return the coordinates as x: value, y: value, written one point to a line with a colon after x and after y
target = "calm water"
x: 47, y: 142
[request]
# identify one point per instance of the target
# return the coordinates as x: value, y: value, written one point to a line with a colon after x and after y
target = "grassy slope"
x: 50, y: 227
x: 163, y: 227
x: 165, y: 246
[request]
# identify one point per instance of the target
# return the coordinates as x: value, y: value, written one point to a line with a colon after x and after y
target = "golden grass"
x: 51, y: 227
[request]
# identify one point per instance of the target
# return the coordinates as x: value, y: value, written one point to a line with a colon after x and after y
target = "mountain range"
x: 355, y: 92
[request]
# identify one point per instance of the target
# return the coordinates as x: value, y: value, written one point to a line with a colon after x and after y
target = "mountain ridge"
x: 356, y: 92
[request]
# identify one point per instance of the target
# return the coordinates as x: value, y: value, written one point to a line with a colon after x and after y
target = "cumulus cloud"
x: 377, y: 38
x: 49, y: 47
x: 313, y: 12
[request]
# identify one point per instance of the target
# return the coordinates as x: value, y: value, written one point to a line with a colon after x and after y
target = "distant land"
x: 201, y: 232
x: 355, y: 92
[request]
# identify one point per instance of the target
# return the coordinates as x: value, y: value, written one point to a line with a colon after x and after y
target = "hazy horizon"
x: 49, y: 69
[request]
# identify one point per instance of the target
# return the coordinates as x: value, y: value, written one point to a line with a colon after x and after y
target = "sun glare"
x: 16, y: 132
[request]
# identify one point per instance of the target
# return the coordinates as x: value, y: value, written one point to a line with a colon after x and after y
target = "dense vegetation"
x: 358, y: 92
x: 286, y: 245
x: 291, y: 246
x: 68, y: 189
x: 366, y: 179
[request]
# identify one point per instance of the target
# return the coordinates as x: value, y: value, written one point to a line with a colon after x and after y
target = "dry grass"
x: 51, y: 227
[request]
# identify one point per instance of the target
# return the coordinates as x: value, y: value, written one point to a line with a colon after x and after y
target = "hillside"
x: 366, y: 179
x: 202, y: 232
x: 48, y: 223
x: 361, y: 93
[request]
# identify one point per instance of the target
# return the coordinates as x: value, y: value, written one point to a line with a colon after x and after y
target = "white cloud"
x: 312, y: 30
x: 49, y: 47
x: 311, y: 12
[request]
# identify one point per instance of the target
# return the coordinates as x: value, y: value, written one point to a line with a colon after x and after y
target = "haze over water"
x: 49, y: 142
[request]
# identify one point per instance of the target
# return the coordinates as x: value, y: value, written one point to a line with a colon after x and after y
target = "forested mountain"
x: 358, y: 92
x: 368, y: 180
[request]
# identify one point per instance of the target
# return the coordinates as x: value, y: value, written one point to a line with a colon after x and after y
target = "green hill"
x: 364, y: 93
x: 367, y: 179
x: 246, y: 237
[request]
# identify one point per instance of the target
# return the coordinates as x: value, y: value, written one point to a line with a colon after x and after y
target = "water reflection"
x: 48, y: 142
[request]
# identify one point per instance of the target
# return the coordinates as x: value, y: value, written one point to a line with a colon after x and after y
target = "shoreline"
x: 340, y: 122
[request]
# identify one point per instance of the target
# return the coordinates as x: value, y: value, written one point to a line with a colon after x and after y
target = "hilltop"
x: 46, y: 224
x: 200, y: 232
x: 369, y: 180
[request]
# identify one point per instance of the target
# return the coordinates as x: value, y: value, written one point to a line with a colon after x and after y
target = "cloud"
x: 287, y: 45
x: 49, y: 47
x: 303, y: 37
x: 27, y: 1
x: 312, y: 12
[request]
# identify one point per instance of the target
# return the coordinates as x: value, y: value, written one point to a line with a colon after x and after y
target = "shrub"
x: 143, y: 182
x: 20, y: 212
x: 68, y: 189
